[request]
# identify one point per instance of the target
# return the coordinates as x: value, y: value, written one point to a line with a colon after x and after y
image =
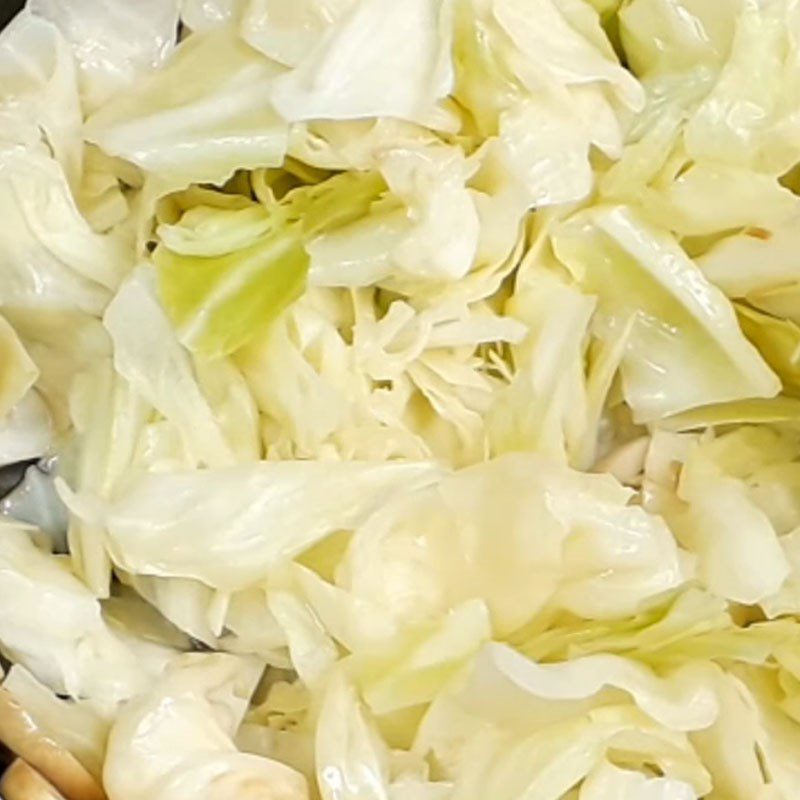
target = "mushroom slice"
x: 58, y: 766
x: 22, y: 782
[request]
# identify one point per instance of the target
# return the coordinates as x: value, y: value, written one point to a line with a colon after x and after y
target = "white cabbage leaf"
x: 412, y: 669
x: 731, y: 499
x: 682, y: 321
x: 312, y: 652
x: 181, y: 524
x: 681, y: 701
x: 432, y: 235
x: 772, y: 284
x: 39, y: 89
x: 321, y: 394
x: 748, y: 751
x: 201, y: 15
x: 108, y: 417
x: 511, y: 533
x: 545, y: 408
x: 201, y: 117
x: 238, y: 284
x: 546, y: 87
x: 353, y: 760
x: 375, y: 58
x: 51, y: 258
x: 288, y: 32
x: 75, y: 652
x: 750, y: 118
x: 62, y: 344
x: 690, y: 626
x: 114, y: 42
x: 498, y: 730
x: 675, y: 36
x: 18, y: 372
x: 708, y: 198
x: 176, y: 739
x: 728, y: 530
x: 139, y: 329
x: 252, y: 628
x: 189, y: 605
x: 608, y: 782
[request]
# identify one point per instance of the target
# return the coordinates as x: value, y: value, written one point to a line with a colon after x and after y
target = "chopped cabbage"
x: 683, y: 323
x: 400, y: 400
x: 176, y: 738
x: 169, y: 523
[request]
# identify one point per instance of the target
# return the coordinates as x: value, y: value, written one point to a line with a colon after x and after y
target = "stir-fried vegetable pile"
x: 399, y: 399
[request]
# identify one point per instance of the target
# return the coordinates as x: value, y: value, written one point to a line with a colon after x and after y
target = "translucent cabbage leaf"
x: 250, y: 627
x: 512, y: 737
x: 685, y: 328
x: 435, y: 237
x: 693, y: 625
x: 312, y: 652
x: 607, y: 782
x: 548, y: 87
x: 728, y: 531
x: 219, y: 302
x: 186, y: 524
x: 599, y: 558
x: 233, y: 406
x: 289, y: 32
x: 200, y: 118
x: 51, y: 258
x: 18, y: 372
x: 376, y: 59
x: 75, y: 653
x: 62, y: 344
x: 39, y: 88
x: 710, y: 198
x: 201, y: 15
x: 177, y: 738
x: 554, y: 44
x: 723, y: 520
x: 114, y: 42
x: 412, y: 670
x: 677, y: 35
x: 773, y: 410
x: 772, y: 284
x: 544, y: 408
x: 353, y: 760
x: 748, y: 749
x: 108, y: 418
x: 356, y: 624
x: 778, y: 341
x: 139, y: 328
x: 529, y: 693
x: 189, y: 605
x: 749, y: 118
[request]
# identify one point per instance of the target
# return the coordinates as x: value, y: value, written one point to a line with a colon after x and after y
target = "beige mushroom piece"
x: 22, y: 782
x: 45, y: 759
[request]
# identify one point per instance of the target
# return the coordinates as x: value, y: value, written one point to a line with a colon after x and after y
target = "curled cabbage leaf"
x: 179, y: 524
x: 176, y: 738
x: 683, y: 323
x: 533, y: 549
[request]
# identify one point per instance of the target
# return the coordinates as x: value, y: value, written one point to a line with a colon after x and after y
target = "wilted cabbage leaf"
x: 435, y: 365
